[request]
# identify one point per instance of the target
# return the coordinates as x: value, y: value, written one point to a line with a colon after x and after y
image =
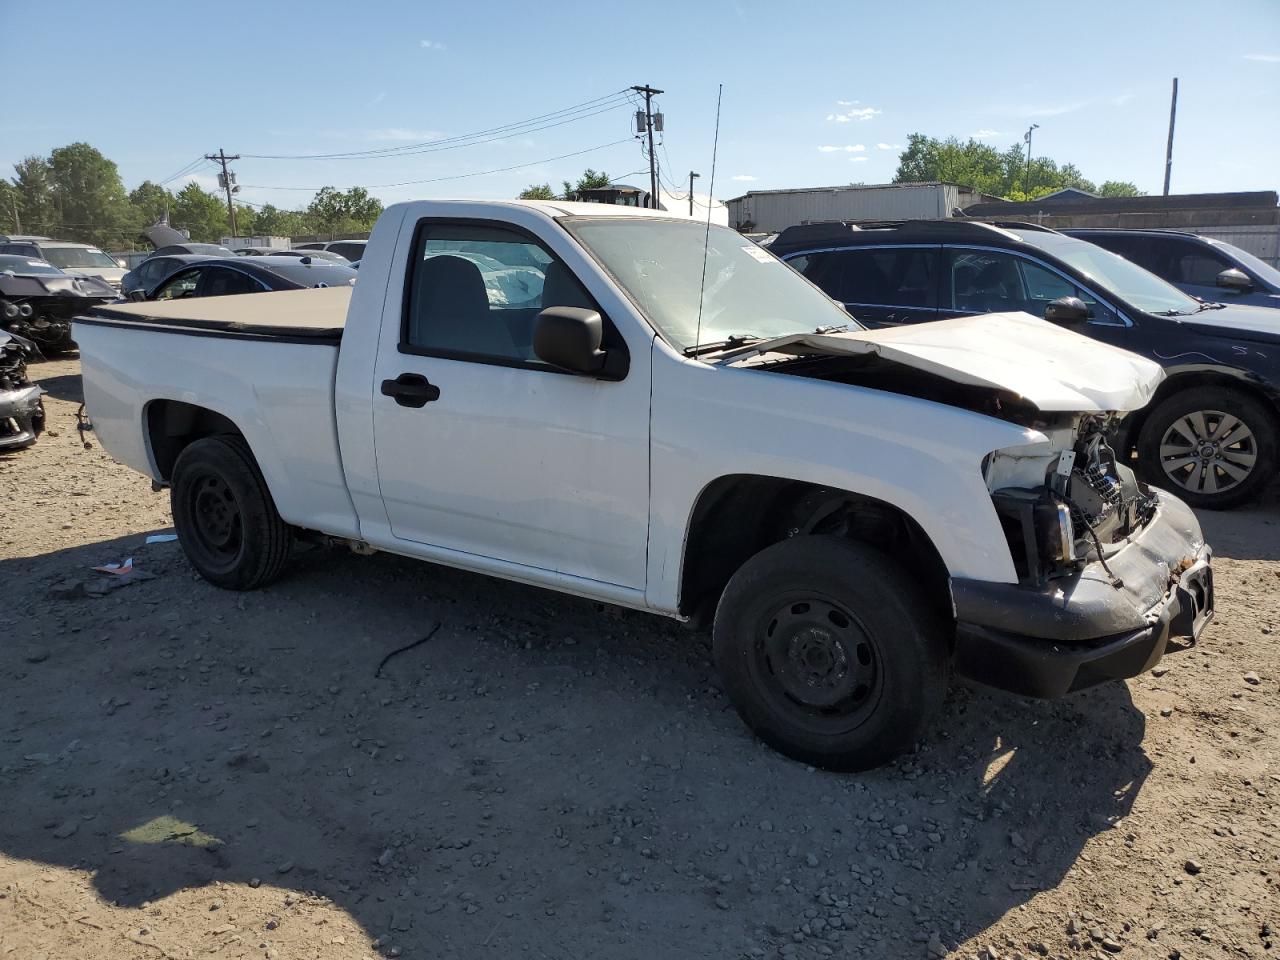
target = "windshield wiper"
x: 1210, y: 305
x: 728, y: 343
x: 834, y: 328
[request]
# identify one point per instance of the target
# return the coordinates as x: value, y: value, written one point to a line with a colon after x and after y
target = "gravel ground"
x: 186, y: 772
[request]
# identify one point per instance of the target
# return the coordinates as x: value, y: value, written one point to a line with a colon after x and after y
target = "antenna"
x: 706, y: 240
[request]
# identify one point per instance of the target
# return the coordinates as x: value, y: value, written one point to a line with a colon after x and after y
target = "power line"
x: 581, y: 111
x: 457, y: 176
x: 190, y: 167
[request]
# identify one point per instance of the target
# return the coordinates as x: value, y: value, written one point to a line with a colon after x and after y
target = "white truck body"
x: 592, y: 486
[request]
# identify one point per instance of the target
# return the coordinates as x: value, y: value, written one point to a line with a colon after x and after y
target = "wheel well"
x: 1190, y: 381
x: 172, y: 425
x: 737, y: 516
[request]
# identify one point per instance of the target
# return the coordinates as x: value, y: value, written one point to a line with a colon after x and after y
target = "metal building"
x: 768, y: 211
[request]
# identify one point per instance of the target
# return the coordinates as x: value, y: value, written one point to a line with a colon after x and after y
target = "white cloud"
x: 857, y: 159
x: 382, y: 95
x: 401, y: 133
x: 1122, y: 99
x: 888, y: 146
x: 1263, y: 57
x: 745, y: 177
x: 853, y: 113
x: 985, y: 134
x: 847, y: 148
x: 431, y: 44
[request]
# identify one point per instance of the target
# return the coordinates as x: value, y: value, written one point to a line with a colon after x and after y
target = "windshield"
x: 748, y: 292
x: 1265, y: 271
x: 77, y: 257
x: 1114, y: 274
x: 26, y: 265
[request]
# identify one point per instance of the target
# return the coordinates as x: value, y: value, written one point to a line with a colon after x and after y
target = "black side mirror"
x: 1067, y: 311
x: 570, y: 338
x: 1234, y: 279
x: 137, y: 295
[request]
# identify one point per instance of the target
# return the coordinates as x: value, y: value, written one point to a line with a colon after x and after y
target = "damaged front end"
x: 1067, y: 501
x: 41, y: 307
x: 21, y: 409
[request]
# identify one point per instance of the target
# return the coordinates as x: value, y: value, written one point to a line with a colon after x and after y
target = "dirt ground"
x: 186, y: 772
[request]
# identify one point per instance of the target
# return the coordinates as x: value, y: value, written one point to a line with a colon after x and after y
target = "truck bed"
x: 292, y: 316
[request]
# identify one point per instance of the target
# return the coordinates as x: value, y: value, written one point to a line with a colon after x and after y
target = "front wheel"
x: 226, y: 520
x: 830, y: 652
x: 1213, y: 447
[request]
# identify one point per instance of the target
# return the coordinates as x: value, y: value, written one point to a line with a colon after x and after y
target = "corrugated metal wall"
x: 1262, y: 241
x: 773, y: 211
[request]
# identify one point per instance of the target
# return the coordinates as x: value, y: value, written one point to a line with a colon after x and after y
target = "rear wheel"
x: 830, y: 652
x: 1213, y: 447
x: 226, y: 520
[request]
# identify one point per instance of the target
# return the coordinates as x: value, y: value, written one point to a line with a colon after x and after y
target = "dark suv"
x: 1211, y: 431
x: 1201, y: 266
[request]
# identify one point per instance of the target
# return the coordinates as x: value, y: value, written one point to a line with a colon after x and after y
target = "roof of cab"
x: 567, y: 208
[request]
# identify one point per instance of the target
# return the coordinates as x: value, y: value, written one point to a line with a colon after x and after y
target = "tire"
x: 830, y: 652
x: 1180, y: 447
x: 226, y: 520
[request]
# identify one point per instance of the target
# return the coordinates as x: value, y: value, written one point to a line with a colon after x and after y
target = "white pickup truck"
x: 649, y: 412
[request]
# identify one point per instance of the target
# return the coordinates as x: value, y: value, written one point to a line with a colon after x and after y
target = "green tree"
x: 10, y: 222
x: 90, y: 195
x: 538, y: 191
x: 36, y: 206
x: 202, y: 213
x: 150, y: 202
x: 590, y: 180
x: 338, y: 211
x: 1119, y: 188
x: 1000, y: 173
x: 271, y: 221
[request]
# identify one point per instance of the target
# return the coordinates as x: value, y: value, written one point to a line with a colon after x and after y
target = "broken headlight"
x: 1039, y: 530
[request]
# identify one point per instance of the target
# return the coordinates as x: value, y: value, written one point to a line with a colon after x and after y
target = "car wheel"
x: 830, y: 652
x: 1213, y: 447
x: 226, y: 520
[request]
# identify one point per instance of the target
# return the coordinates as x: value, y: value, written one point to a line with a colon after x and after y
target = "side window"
x: 1044, y: 285
x: 352, y: 251
x: 223, y: 281
x: 178, y: 287
x: 1198, y: 264
x: 21, y: 250
x: 983, y: 281
x: 882, y: 277
x: 477, y: 290
x: 153, y: 270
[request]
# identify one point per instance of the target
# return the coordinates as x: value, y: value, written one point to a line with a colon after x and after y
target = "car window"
x: 992, y: 281
x: 223, y: 281
x: 179, y: 286
x: 78, y: 257
x: 1194, y: 263
x: 477, y: 291
x: 352, y: 251
x: 21, y: 250
x: 152, y: 270
x: 902, y: 277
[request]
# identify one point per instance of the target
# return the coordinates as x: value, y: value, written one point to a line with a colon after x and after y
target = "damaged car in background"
x: 37, y: 301
x: 21, y: 409
x: 669, y: 419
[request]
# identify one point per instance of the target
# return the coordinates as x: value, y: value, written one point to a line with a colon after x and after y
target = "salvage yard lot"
x: 190, y: 772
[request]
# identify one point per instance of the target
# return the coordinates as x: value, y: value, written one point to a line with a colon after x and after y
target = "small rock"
x: 900, y: 830
x: 1111, y: 946
x: 1166, y: 711
x: 935, y: 947
x: 1252, y: 678
x: 1192, y: 867
x: 37, y: 655
x: 66, y: 830
x: 1159, y: 671
x: 384, y: 858
x: 255, y: 882
x: 285, y: 867
x: 811, y: 859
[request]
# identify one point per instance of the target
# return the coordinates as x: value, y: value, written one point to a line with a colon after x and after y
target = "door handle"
x: 410, y: 390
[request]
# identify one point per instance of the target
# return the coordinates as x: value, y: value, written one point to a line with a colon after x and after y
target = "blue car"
x: 1210, y: 269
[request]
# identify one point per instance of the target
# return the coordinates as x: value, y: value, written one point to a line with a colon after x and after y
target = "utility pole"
x: 692, y: 177
x: 17, y: 223
x: 1168, y: 150
x: 226, y: 181
x: 1026, y: 181
x: 649, y: 93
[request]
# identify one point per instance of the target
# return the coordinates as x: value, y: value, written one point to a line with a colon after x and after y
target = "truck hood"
x: 1050, y: 367
x: 112, y: 275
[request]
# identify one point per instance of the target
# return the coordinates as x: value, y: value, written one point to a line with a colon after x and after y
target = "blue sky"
x: 814, y: 94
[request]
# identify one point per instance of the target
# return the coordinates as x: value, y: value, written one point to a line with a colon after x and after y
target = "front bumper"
x: 21, y: 417
x: 1078, y: 632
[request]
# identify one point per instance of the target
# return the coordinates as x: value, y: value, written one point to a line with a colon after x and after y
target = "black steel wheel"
x: 226, y: 520
x: 1212, y: 447
x: 830, y: 652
